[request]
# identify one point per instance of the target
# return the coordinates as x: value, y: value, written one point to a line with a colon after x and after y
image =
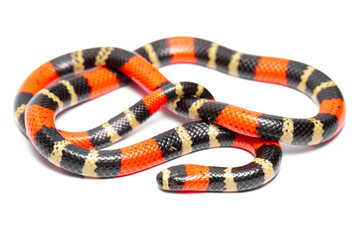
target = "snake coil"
x: 82, y: 75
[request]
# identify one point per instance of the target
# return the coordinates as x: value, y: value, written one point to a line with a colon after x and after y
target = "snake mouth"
x: 159, y: 179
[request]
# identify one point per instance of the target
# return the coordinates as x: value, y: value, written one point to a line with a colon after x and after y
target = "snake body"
x: 76, y: 77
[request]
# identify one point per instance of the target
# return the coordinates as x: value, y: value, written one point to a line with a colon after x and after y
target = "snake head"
x: 172, y: 179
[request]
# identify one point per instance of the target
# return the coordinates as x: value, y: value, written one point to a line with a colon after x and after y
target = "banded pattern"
x: 221, y: 179
x: 96, y: 163
x: 87, y: 74
x: 296, y: 75
x: 179, y: 141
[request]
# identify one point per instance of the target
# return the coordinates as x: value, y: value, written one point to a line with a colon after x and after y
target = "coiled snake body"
x: 76, y: 77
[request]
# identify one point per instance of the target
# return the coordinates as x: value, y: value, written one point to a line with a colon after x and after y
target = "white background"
x: 315, y: 195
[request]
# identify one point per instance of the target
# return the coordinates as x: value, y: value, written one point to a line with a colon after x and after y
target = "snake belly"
x: 111, y: 67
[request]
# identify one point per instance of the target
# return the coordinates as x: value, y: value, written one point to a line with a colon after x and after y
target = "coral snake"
x: 82, y: 75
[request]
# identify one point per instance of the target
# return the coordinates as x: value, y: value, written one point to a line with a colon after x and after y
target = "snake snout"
x: 172, y: 178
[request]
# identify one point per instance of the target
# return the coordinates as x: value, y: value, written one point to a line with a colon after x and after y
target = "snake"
x: 76, y: 77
